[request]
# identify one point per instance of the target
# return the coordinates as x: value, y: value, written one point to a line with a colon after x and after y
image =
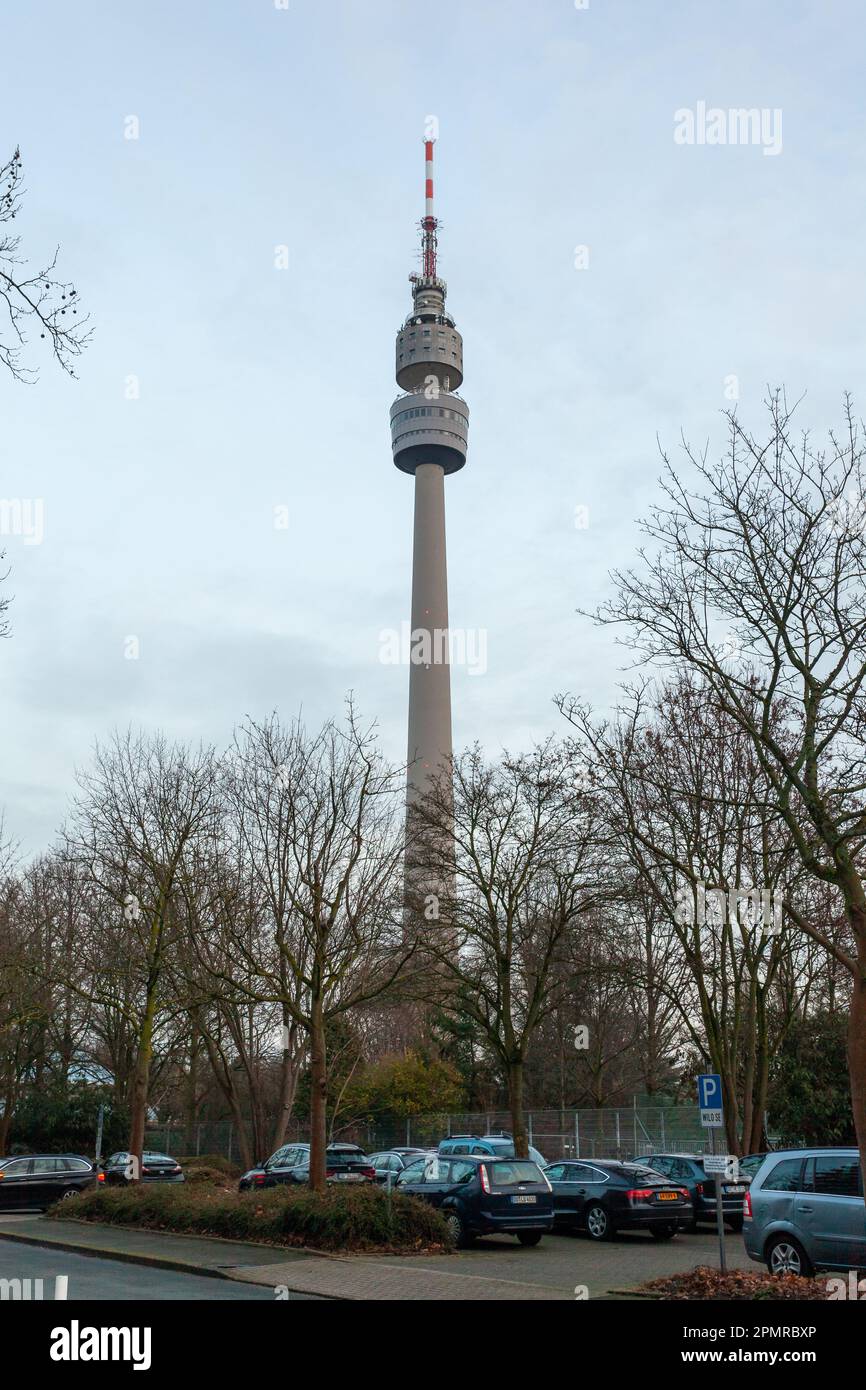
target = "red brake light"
x: 699, y: 1188
x: 485, y: 1177
x: 747, y: 1206
x: 369, y: 1172
x: 639, y: 1194
x: 259, y: 1180
x: 100, y: 1177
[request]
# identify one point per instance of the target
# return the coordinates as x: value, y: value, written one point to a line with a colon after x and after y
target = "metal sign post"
x: 99, y: 1123
x: 710, y: 1102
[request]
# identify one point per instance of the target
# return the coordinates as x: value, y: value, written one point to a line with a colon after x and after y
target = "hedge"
x: 360, y: 1219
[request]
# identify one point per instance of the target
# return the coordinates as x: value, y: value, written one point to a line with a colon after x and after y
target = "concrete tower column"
x: 429, y: 744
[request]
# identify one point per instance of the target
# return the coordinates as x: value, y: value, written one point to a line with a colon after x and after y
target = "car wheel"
x: 785, y: 1255
x: 457, y: 1230
x: 67, y: 1193
x: 735, y: 1223
x: 529, y: 1237
x: 598, y: 1224
x: 663, y: 1232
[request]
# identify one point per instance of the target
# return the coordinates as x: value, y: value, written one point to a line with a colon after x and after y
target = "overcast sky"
x: 261, y: 388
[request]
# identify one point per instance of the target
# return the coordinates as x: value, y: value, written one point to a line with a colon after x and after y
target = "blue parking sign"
x: 710, y: 1091
x: 710, y: 1100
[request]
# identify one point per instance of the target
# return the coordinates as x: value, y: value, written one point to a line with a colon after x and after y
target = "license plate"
x: 668, y: 1196
x: 737, y: 1187
x: 523, y: 1198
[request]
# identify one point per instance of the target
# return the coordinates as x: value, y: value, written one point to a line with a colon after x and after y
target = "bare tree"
x: 142, y: 808
x: 515, y: 839
x: 34, y: 300
x: 758, y: 583
x: 686, y: 801
x: 319, y: 816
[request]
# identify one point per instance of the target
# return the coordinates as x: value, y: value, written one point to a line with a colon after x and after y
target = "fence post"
x: 530, y: 1128
x: 230, y: 1142
x: 408, y: 1133
x: 616, y: 1112
x: 576, y: 1135
x: 662, y: 1116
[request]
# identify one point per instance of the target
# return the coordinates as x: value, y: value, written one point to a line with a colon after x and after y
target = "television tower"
x: 429, y: 426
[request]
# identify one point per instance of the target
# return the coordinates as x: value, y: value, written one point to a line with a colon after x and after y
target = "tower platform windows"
x: 429, y: 430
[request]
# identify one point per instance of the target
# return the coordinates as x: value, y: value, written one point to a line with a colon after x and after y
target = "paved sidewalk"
x: 495, y: 1269
x: 380, y: 1279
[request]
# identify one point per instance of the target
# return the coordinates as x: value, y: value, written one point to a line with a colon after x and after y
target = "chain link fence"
x: 625, y: 1132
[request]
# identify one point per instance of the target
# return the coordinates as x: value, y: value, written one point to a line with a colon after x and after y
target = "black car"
x: 603, y: 1196
x: 40, y: 1179
x: 390, y: 1162
x: 687, y: 1170
x: 120, y: 1168
x: 480, y: 1195
x: 343, y: 1163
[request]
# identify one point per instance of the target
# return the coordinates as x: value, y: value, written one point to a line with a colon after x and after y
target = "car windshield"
x: 510, y: 1174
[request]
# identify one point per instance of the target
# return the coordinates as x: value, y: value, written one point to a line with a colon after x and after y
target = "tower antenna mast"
x: 429, y: 223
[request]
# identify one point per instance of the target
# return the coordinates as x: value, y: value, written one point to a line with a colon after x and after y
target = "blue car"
x: 497, y: 1145
x: 479, y: 1195
x: 804, y: 1210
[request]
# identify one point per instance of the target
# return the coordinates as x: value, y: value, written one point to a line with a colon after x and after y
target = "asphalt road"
x: 95, y: 1279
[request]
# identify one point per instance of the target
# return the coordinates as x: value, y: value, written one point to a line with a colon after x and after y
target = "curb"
x: 153, y: 1261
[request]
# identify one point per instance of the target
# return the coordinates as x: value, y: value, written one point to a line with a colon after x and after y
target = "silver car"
x: 805, y: 1211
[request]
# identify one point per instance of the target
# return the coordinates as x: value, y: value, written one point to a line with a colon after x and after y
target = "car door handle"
x: 800, y: 1207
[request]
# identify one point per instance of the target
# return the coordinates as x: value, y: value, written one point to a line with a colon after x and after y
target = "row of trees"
x: 236, y: 920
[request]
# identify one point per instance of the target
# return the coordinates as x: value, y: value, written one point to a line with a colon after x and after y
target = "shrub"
x: 212, y: 1161
x: 364, y: 1218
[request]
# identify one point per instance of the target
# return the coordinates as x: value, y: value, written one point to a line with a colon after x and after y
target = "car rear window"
x: 836, y: 1175
x: 504, y: 1174
x: 639, y: 1170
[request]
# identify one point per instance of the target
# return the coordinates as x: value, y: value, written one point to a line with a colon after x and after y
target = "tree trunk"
x: 288, y: 1084
x: 318, y: 1098
x: 857, y: 1051
x: 515, y: 1101
x: 141, y: 1081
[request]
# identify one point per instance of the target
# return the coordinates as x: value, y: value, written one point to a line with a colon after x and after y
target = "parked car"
x: 392, y: 1161
x: 687, y: 1170
x: 37, y: 1180
x: 749, y: 1165
x: 603, y: 1196
x: 119, y: 1168
x: 497, y: 1145
x: 479, y: 1195
x: 804, y: 1210
x: 291, y: 1164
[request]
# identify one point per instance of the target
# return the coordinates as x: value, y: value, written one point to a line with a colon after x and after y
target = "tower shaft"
x: 429, y: 743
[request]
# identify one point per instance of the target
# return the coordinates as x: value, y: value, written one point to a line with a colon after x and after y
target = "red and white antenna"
x: 429, y: 223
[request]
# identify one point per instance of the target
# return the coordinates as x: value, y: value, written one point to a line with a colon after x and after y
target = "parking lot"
x: 563, y: 1261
